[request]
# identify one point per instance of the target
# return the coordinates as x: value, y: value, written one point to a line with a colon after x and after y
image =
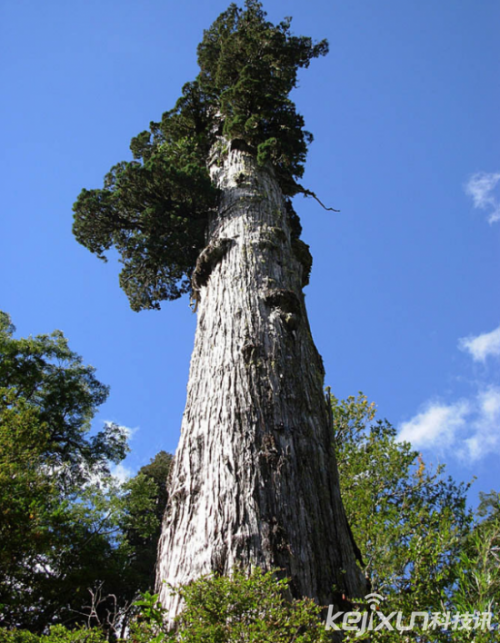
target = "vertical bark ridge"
x: 255, y: 478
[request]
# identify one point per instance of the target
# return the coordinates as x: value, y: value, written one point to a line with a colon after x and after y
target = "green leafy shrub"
x: 56, y: 634
x: 238, y: 609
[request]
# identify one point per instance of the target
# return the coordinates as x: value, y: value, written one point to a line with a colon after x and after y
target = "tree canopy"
x: 43, y: 378
x: 422, y: 548
x: 66, y: 525
x: 154, y: 210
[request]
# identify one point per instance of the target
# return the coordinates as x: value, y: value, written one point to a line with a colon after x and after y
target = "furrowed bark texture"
x: 255, y: 480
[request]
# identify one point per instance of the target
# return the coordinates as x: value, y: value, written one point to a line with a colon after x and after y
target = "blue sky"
x: 403, y: 300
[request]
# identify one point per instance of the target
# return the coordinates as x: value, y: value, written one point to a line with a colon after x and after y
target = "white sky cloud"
x: 481, y: 187
x: 129, y: 432
x: 469, y: 428
x: 486, y: 425
x: 482, y: 346
x: 121, y: 473
x: 437, y: 425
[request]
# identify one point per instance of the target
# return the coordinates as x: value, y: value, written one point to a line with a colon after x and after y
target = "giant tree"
x: 205, y: 208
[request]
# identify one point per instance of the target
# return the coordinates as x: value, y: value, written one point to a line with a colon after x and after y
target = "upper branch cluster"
x: 154, y: 210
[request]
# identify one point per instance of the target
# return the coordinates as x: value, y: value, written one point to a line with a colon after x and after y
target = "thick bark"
x: 254, y: 480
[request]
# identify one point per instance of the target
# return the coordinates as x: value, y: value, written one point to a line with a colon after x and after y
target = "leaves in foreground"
x: 238, y: 609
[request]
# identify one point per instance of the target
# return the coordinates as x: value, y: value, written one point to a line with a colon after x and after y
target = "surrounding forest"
x: 78, y: 548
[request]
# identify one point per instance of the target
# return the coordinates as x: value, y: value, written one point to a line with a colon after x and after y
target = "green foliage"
x: 410, y: 523
x: 101, y: 557
x: 145, y: 501
x: 56, y: 634
x: 155, y: 210
x: 155, y: 214
x: 29, y: 498
x: 478, y: 567
x: 66, y: 525
x: 240, y: 609
x: 249, y: 67
x: 54, y: 528
x: 49, y: 379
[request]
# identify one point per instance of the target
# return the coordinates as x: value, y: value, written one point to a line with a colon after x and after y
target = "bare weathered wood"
x: 255, y: 479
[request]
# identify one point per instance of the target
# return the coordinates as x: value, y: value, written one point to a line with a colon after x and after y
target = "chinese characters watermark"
x: 374, y: 620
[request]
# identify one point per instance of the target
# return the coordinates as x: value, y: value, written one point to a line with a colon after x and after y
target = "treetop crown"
x: 155, y: 209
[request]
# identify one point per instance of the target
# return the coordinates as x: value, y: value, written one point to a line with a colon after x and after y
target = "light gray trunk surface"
x: 254, y: 481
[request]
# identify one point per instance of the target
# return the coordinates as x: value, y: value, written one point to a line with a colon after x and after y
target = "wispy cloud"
x: 486, y: 423
x: 469, y: 428
x: 129, y: 431
x: 482, y: 346
x: 437, y: 425
x: 121, y: 473
x: 481, y: 187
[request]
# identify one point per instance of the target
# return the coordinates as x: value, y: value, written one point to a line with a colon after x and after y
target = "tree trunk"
x: 254, y: 481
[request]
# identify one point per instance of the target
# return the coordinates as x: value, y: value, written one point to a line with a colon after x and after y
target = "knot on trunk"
x: 286, y: 300
x: 288, y: 305
x: 206, y: 262
x: 250, y: 350
x: 269, y: 449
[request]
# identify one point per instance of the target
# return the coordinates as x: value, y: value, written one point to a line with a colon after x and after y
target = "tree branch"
x: 309, y: 193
